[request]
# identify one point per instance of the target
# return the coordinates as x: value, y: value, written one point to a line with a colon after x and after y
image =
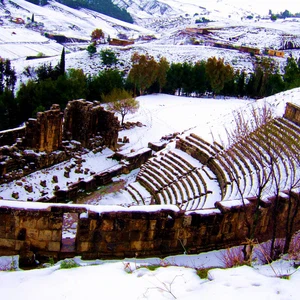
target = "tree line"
x: 49, y: 84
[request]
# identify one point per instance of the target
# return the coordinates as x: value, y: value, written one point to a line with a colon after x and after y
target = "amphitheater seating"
x: 197, y: 174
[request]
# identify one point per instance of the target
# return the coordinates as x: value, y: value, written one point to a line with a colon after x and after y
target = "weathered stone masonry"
x: 292, y: 113
x: 48, y: 139
x: 130, y: 233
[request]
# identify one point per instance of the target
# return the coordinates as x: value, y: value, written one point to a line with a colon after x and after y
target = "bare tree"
x: 121, y: 102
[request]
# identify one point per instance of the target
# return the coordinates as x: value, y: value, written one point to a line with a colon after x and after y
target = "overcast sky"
x: 275, y: 5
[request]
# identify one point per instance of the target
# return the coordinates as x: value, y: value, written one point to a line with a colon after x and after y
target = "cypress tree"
x: 62, y: 63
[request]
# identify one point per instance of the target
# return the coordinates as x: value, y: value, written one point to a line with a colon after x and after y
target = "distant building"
x: 249, y: 50
x: 277, y: 53
x: 18, y: 20
x: 118, y: 42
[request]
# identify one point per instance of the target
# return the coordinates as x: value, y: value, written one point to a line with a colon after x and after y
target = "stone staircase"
x: 197, y: 174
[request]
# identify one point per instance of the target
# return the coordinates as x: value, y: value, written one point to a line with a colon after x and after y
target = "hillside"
x: 160, y: 29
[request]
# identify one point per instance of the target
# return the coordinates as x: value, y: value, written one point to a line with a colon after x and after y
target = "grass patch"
x: 203, y: 272
x: 152, y: 267
x: 68, y: 264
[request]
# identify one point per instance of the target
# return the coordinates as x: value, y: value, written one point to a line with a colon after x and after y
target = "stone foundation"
x: 131, y: 232
x: 292, y: 113
x: 40, y: 143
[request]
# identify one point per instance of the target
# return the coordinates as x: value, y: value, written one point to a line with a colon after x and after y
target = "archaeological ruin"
x: 55, y: 136
x: 197, y: 197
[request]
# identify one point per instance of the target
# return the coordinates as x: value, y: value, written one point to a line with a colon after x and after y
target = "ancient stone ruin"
x: 211, y: 190
x: 90, y: 124
x: 55, y: 136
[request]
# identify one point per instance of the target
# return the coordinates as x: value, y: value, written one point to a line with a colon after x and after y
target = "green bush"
x: 68, y: 264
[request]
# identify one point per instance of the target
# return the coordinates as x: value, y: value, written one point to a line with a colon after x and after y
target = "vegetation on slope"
x: 105, y: 7
x: 47, y: 83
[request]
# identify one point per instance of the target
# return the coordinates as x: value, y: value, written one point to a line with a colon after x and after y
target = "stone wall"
x: 130, y: 232
x: 40, y: 143
x: 9, y: 137
x: 85, y: 121
x: 292, y: 113
x: 45, y: 132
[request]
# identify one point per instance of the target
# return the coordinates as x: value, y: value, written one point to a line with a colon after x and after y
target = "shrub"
x: 232, y: 257
x: 294, y: 249
x: 263, y: 251
x: 68, y: 264
x: 203, y: 272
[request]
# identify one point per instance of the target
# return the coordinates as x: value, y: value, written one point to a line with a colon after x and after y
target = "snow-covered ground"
x: 176, y: 278
x: 229, y: 21
x: 161, y: 115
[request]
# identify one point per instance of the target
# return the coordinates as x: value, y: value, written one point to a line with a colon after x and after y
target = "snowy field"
x: 175, y: 278
x: 161, y: 115
x: 229, y: 21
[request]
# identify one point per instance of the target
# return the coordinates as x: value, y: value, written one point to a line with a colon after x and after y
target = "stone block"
x: 2, y: 220
x: 122, y: 247
x: 136, y: 245
x: 39, y: 245
x: 150, y: 235
x: 45, y: 235
x: 55, y: 223
x: 32, y: 234
x: 93, y: 225
x: 42, y: 223
x: 19, y: 245
x: 2, y: 232
x: 54, y: 246
x: 141, y: 246
x: 183, y: 234
x: 187, y: 221
x: 107, y: 225
x: 28, y: 222
x: 56, y: 235
x: 10, y: 232
x: 6, y: 243
x: 152, y: 224
x: 141, y: 225
x: 111, y: 237
x: 84, y: 247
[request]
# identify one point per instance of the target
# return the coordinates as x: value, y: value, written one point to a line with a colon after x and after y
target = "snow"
x: 161, y: 115
x: 175, y: 278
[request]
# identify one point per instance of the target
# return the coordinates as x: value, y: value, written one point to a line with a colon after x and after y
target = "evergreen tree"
x: 8, y: 76
x: 163, y: 67
x: 108, y: 57
x: 292, y: 73
x: 218, y: 73
x: 91, y: 49
x: 62, y: 63
x: 199, y: 78
x: 187, y: 79
x: 104, y: 83
x: 143, y: 72
x: 174, y: 79
x: 263, y: 68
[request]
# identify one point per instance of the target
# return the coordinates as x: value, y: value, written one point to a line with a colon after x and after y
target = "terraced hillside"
x: 197, y: 174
